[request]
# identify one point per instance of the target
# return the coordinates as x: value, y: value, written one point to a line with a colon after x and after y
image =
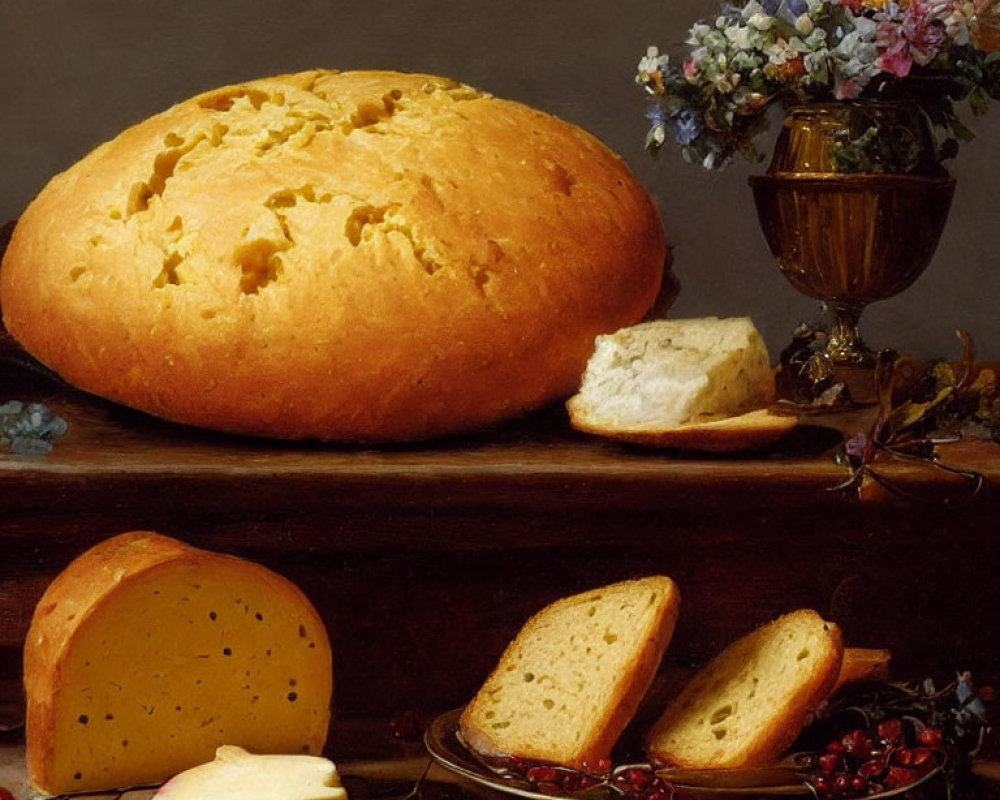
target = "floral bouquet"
x: 714, y: 103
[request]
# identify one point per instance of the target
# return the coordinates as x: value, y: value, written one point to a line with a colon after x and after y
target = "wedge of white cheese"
x: 667, y: 373
x: 236, y: 774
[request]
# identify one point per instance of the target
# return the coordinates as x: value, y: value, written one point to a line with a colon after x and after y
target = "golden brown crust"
x: 863, y: 664
x: 80, y: 591
x: 354, y: 256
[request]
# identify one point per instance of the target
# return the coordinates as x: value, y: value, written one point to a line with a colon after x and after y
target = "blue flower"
x: 657, y: 116
x: 686, y: 125
x: 798, y: 7
x: 29, y: 428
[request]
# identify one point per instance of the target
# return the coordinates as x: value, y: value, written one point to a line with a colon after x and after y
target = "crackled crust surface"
x: 355, y: 256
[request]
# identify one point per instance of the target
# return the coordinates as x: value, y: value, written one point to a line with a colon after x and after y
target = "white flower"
x: 816, y: 40
x: 698, y: 33
x: 804, y: 24
x: 956, y: 18
x: 653, y: 62
x: 740, y: 37
x: 865, y: 28
x: 817, y: 66
x: 780, y: 52
x: 761, y: 21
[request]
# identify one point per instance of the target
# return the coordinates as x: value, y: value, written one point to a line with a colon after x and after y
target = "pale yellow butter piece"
x: 237, y: 774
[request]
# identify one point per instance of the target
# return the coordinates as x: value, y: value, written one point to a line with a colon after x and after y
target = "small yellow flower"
x: 879, y: 5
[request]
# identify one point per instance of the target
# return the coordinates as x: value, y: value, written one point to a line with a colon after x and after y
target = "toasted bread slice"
x: 863, y: 664
x: 747, y: 705
x: 571, y: 680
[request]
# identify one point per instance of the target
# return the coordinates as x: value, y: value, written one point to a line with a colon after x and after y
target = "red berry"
x: 543, y: 775
x: 899, y: 776
x: 638, y: 779
x: 857, y: 743
x: 903, y: 756
x: 842, y: 782
x: 830, y: 762
x: 932, y: 737
x: 6, y: 794
x: 602, y: 766
x: 890, y: 731
x: 922, y: 756
x: 859, y: 783
x: 871, y: 768
x: 836, y: 746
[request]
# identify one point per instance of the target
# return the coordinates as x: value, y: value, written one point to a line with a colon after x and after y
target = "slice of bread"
x: 863, y: 664
x: 680, y: 383
x: 571, y: 680
x: 747, y: 431
x: 747, y: 705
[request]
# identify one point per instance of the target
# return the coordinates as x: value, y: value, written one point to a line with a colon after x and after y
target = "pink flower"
x: 846, y: 89
x: 690, y: 70
x: 895, y: 57
x: 908, y: 37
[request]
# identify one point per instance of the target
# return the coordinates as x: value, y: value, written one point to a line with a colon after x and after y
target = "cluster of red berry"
x: 641, y: 783
x: 630, y: 781
x: 554, y: 778
x: 865, y: 762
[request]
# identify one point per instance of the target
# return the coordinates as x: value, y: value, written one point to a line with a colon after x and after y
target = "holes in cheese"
x: 145, y: 655
x: 236, y: 774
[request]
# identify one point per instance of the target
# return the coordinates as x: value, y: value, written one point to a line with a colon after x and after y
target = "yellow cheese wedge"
x: 145, y: 655
x: 238, y: 775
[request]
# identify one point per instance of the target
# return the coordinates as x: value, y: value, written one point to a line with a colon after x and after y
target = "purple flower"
x: 856, y: 445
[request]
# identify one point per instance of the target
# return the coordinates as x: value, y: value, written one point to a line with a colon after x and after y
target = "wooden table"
x: 424, y: 560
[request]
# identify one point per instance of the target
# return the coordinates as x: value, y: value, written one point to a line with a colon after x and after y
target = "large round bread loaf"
x: 343, y: 256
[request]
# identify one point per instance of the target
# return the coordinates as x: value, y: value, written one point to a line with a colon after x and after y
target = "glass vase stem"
x: 845, y: 347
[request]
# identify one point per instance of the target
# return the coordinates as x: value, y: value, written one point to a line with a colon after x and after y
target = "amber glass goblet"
x: 849, y: 240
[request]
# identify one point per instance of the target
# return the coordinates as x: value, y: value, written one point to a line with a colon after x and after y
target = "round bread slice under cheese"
x: 145, y: 655
x: 359, y: 256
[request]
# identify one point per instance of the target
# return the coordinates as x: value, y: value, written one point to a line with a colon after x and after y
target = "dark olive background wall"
x: 75, y: 72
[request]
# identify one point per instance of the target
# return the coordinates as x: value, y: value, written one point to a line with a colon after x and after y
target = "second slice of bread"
x: 751, y: 701
x: 571, y: 680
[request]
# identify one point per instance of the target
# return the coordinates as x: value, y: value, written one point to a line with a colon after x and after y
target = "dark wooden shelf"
x: 425, y: 559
